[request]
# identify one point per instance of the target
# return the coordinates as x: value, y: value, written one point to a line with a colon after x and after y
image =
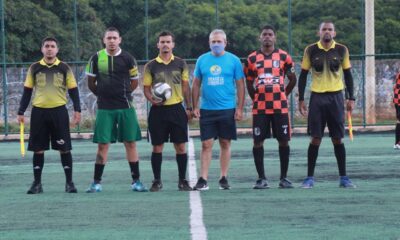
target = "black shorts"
x: 168, y: 123
x: 217, y: 124
x: 397, y: 112
x: 326, y: 109
x: 263, y: 123
x: 49, y: 124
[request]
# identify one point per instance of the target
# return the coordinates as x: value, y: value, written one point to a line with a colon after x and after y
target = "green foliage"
x: 27, y: 22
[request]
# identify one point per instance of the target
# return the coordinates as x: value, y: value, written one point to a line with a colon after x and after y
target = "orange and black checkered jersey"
x: 267, y: 74
x: 396, y: 88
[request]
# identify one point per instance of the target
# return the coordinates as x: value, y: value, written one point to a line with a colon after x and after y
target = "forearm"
x: 186, y: 95
x: 74, y: 95
x: 291, y: 84
x: 195, y: 92
x: 250, y: 89
x: 240, y: 93
x: 92, y: 85
x: 26, y: 98
x: 302, y: 83
x: 348, y: 80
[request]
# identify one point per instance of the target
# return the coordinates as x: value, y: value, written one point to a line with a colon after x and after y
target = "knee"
x: 336, y: 141
x: 283, y: 143
x: 316, y: 141
x: 258, y: 144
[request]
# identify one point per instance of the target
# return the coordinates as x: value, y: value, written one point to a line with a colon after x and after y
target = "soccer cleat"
x: 261, y: 183
x: 183, y: 185
x: 285, y: 183
x: 396, y: 146
x: 345, y: 182
x: 308, y: 183
x: 94, y: 187
x: 201, y: 185
x: 137, y: 186
x: 35, y: 188
x: 156, y: 186
x: 70, y: 188
x: 223, y: 184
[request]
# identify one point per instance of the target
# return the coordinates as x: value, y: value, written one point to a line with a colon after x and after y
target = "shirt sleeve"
x: 133, y: 69
x: 239, y: 74
x: 71, y: 81
x: 249, y: 70
x: 197, y: 70
x: 147, y: 78
x: 306, y: 63
x: 91, y: 67
x: 289, y: 65
x: 185, y: 72
x: 29, y: 78
x: 346, y: 60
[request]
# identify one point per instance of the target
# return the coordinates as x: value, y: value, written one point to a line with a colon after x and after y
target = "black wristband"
x: 189, y: 109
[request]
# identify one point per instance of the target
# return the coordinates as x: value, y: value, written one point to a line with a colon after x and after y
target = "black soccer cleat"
x: 223, y: 184
x: 183, y: 185
x: 35, y: 188
x: 156, y: 186
x: 70, y: 188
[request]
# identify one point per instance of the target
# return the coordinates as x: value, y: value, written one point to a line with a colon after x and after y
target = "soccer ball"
x: 161, y: 91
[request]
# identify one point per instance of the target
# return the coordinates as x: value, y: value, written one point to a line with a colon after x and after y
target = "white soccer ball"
x: 161, y: 91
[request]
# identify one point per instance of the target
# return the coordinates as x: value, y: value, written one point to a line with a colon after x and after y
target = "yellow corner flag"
x: 21, y: 138
x: 350, y: 125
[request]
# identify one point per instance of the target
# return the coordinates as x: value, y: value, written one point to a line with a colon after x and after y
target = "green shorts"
x: 121, y: 124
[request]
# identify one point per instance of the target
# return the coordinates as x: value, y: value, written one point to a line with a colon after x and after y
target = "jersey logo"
x: 275, y: 63
x: 215, y: 70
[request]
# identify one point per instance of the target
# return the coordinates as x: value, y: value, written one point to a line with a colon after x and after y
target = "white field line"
x: 197, y: 228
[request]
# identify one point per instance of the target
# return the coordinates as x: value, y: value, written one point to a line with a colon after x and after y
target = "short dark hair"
x: 49, y: 39
x: 268, y: 27
x: 112, y: 29
x: 166, y: 33
x: 326, y: 21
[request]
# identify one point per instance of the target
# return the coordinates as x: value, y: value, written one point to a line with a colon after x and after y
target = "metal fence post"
x: 4, y: 66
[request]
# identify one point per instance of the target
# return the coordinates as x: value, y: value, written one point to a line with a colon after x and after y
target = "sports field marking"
x: 197, y: 228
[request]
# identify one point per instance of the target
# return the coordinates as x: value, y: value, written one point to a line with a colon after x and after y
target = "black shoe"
x: 223, y: 184
x: 201, y: 185
x: 261, y: 183
x: 285, y: 183
x: 183, y: 185
x: 35, y: 188
x: 156, y: 186
x: 70, y: 188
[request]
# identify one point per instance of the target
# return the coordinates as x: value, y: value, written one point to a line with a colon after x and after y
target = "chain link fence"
x: 79, y: 26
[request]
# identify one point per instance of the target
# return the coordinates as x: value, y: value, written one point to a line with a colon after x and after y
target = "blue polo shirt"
x: 218, y: 75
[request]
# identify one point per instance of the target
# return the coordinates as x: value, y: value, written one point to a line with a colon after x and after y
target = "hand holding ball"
x: 161, y: 92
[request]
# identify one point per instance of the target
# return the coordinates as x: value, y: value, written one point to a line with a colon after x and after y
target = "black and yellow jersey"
x: 173, y: 72
x: 326, y: 66
x: 113, y: 78
x: 50, y: 82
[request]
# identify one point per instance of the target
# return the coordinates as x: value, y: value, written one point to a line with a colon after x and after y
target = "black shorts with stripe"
x: 326, y: 109
x: 49, y: 124
x: 168, y: 123
x: 263, y: 123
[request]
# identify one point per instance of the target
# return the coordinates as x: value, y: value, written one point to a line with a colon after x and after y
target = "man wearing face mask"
x: 328, y: 62
x: 219, y: 79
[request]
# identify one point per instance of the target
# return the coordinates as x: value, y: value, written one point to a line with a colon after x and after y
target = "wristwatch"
x: 189, y: 109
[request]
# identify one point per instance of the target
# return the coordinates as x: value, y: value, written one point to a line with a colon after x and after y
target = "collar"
x: 320, y: 46
x: 56, y: 63
x: 118, y: 53
x: 159, y: 59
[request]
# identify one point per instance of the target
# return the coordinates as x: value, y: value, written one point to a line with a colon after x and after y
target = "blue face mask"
x: 217, y: 48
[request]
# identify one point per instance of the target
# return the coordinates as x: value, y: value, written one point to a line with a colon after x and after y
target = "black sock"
x: 258, y: 154
x: 284, y: 159
x: 135, y: 173
x: 38, y: 162
x: 98, y: 172
x: 397, y: 133
x: 312, y: 159
x: 156, y: 160
x: 66, y: 161
x: 181, y: 160
x: 340, y: 153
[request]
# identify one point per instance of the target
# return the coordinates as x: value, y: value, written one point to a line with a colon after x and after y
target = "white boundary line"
x: 197, y: 228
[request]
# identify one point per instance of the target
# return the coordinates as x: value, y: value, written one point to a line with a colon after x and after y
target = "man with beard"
x: 328, y: 62
x: 265, y: 71
x: 168, y: 120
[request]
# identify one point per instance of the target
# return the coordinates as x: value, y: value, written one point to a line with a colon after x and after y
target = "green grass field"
x: 370, y: 211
